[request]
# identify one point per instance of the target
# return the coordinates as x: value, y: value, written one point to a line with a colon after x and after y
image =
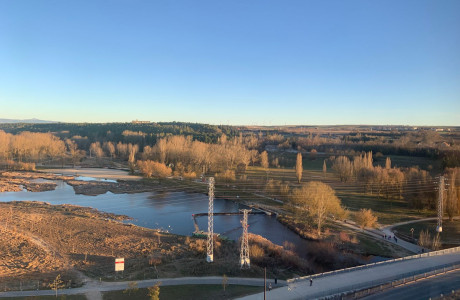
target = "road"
x: 93, y: 289
x: 424, y: 289
x: 351, y: 280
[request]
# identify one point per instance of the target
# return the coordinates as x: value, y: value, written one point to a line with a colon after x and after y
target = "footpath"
x: 386, y: 234
x: 347, y: 280
x: 93, y: 289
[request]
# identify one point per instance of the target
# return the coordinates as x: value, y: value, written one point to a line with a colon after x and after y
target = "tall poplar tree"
x: 298, y: 167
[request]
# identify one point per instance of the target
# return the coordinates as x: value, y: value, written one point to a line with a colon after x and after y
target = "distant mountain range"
x: 26, y: 121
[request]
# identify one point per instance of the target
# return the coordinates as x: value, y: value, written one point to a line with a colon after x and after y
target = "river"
x: 169, y: 211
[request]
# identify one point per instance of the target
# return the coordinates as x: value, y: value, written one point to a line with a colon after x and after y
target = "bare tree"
x: 152, y: 168
x: 298, y: 167
x: 110, y: 148
x: 366, y: 219
x: 57, y: 284
x: 343, y: 167
x: 133, y: 287
x: 154, y: 291
x: 224, y: 281
x: 96, y: 149
x: 264, y: 160
x: 132, y: 156
x: 388, y: 163
x: 318, y: 200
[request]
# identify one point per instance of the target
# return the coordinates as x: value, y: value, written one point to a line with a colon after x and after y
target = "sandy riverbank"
x: 100, y: 173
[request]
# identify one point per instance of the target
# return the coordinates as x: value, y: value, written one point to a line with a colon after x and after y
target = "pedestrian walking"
x: 269, y: 286
x: 276, y: 280
x: 311, y: 282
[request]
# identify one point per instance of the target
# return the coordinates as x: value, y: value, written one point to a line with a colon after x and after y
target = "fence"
x: 390, y: 261
x: 27, y: 285
x: 361, y: 290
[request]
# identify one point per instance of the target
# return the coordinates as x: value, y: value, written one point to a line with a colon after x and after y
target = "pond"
x: 169, y: 211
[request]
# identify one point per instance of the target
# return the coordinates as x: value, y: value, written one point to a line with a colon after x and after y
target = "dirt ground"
x: 16, y: 181
x: 93, y: 188
x: 100, y: 173
x: 41, y: 241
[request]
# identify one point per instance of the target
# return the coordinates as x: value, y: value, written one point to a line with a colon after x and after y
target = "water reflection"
x: 86, y: 178
x: 170, y: 211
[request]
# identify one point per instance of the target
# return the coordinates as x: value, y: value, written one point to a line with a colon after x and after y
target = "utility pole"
x: 440, y: 204
x: 245, y: 262
x: 210, y: 243
x: 265, y: 281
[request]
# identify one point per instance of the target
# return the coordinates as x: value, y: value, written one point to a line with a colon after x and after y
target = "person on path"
x: 311, y: 281
x: 269, y: 286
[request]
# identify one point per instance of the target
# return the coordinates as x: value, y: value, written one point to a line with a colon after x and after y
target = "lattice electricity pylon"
x: 210, y: 243
x: 440, y: 204
x: 245, y: 262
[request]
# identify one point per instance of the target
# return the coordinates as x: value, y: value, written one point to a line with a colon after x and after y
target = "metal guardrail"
x: 367, y: 288
x: 433, y: 253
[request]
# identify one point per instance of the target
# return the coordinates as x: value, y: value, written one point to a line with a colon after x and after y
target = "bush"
x: 365, y: 218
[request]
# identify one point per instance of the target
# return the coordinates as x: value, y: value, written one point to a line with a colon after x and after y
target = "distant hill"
x: 30, y: 121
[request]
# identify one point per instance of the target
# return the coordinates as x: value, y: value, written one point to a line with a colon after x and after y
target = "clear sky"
x: 232, y: 62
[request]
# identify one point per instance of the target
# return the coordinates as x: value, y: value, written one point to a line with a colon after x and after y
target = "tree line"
x: 30, y: 147
x: 412, y: 184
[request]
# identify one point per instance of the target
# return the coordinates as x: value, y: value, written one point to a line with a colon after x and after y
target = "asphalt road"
x: 424, y: 289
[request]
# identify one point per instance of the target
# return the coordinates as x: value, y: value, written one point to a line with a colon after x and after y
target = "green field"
x: 189, y: 292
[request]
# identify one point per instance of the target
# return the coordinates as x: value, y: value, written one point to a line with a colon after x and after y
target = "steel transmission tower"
x: 440, y: 204
x: 210, y: 244
x: 244, y: 253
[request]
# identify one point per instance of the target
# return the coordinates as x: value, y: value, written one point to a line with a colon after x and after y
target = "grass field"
x: 351, y: 194
x: 388, y: 211
x: 402, y: 161
x: 189, y: 292
x: 450, y: 236
x: 59, y: 297
x: 367, y: 245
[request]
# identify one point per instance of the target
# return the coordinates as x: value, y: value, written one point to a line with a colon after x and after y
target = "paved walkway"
x: 349, y: 280
x: 93, y: 289
x: 409, y: 246
x: 388, y: 230
x: 379, y: 234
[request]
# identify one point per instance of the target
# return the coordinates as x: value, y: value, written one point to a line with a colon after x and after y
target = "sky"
x: 232, y: 62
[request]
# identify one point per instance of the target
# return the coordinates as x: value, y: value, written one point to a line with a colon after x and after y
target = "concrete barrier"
x: 390, y: 261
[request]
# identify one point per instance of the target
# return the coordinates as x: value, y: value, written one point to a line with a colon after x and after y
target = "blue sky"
x: 232, y: 62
